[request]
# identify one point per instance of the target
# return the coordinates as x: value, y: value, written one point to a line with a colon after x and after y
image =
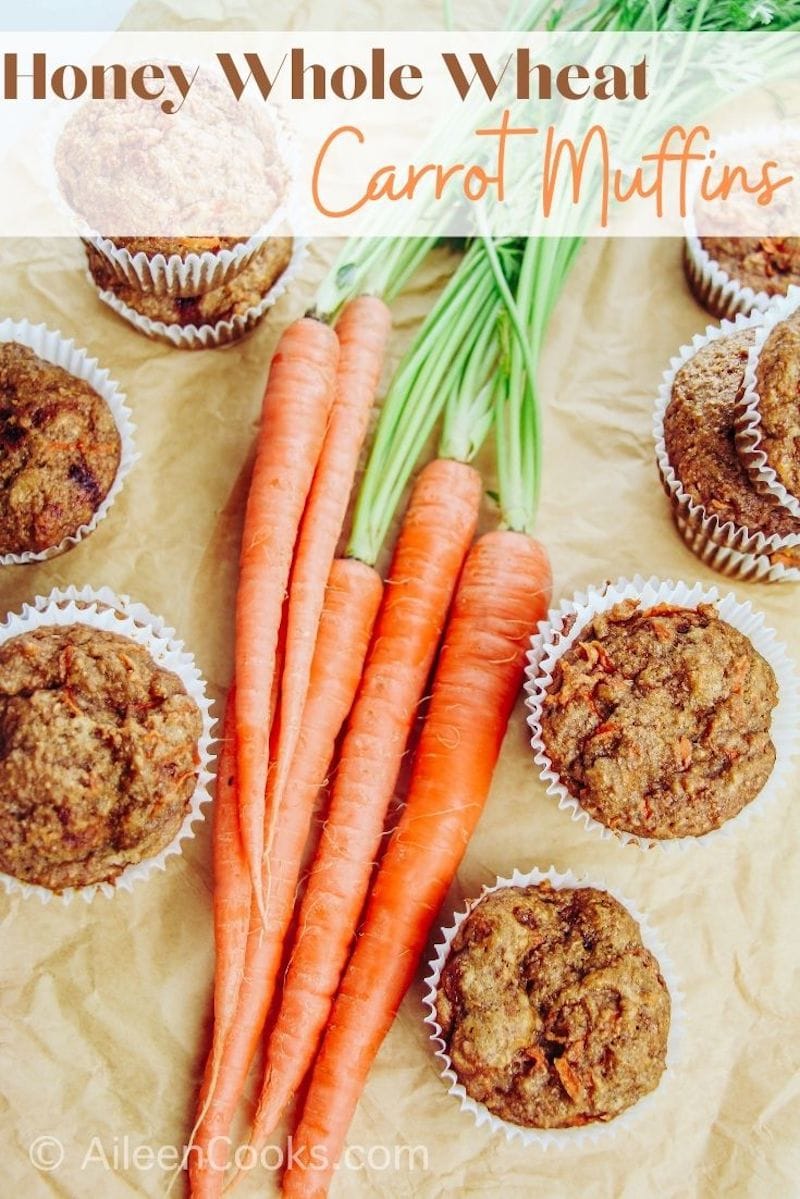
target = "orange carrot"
x: 503, y: 593
x: 294, y: 419
x: 437, y: 530
x: 363, y: 331
x: 231, y: 880
x: 351, y: 605
x: 232, y: 903
x: 207, y: 1157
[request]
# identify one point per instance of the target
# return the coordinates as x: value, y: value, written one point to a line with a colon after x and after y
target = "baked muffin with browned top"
x: 778, y: 387
x: 765, y: 264
x: 700, y: 440
x: 98, y: 755
x: 147, y: 184
x: 60, y: 450
x: 658, y: 720
x: 553, y: 1012
x: 234, y: 298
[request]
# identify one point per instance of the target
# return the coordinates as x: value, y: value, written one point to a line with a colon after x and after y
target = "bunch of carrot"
x: 322, y: 645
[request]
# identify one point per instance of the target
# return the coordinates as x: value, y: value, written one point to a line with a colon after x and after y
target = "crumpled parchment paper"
x: 104, y: 1010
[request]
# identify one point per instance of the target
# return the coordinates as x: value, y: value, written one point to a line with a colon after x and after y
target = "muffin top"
x: 701, y: 441
x: 147, y: 180
x: 60, y: 451
x: 234, y: 298
x: 778, y: 385
x: 180, y: 246
x: 658, y: 720
x: 553, y: 1011
x: 769, y: 264
x: 98, y: 755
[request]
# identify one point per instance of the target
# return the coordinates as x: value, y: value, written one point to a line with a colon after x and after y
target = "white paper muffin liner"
x: 188, y: 276
x: 732, y: 549
x: 194, y: 274
x: 551, y: 643
x: 102, y: 609
x: 714, y: 288
x: 207, y: 337
x: 749, y: 439
x: 557, y: 1138
x: 52, y: 347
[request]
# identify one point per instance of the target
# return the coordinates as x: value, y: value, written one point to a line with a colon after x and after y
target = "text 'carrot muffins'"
x: 61, y: 452
x: 658, y: 720
x: 98, y: 755
x: 553, y: 1012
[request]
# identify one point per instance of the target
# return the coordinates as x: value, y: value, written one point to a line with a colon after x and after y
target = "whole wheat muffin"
x: 235, y: 298
x: 145, y: 178
x: 768, y: 264
x: 59, y: 452
x: 658, y: 720
x: 700, y: 438
x: 98, y: 755
x: 778, y: 385
x: 553, y: 1011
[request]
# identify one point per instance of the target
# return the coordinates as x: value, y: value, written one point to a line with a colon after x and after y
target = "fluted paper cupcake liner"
x: 552, y: 642
x: 558, y: 1138
x: 207, y: 337
x: 178, y: 276
x: 52, y: 347
x: 730, y: 548
x: 747, y: 568
x: 749, y: 428
x: 102, y: 609
x: 712, y: 286
x: 194, y: 274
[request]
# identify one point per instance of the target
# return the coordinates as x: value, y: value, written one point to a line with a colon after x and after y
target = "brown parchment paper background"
x: 104, y: 1010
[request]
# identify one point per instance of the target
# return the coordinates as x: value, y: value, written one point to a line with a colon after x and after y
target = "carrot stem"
x: 416, y: 398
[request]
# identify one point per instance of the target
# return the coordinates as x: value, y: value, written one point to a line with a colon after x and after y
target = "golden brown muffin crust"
x: 778, y: 385
x: 180, y: 247
x: 553, y: 1011
x: 145, y: 178
x: 244, y: 291
x: 769, y: 264
x: 658, y: 720
x: 59, y: 451
x: 98, y: 755
x: 700, y: 439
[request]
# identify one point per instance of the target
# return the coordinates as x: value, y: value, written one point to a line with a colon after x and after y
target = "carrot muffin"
x: 553, y: 1012
x: 60, y: 452
x: 182, y: 247
x: 98, y: 755
x: 700, y: 438
x: 658, y: 721
x: 143, y: 178
x: 245, y: 291
x: 778, y: 386
x: 768, y: 264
